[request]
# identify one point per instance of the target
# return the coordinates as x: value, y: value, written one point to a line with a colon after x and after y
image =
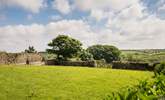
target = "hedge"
x: 70, y: 63
x: 94, y: 63
x: 132, y: 65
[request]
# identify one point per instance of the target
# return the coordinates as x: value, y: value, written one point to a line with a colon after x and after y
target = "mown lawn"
x: 63, y: 83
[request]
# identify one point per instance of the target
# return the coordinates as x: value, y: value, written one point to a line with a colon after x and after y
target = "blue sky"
x: 17, y: 15
x: 127, y: 24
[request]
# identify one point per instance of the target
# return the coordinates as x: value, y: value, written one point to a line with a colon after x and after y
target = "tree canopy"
x: 107, y: 52
x: 65, y: 47
x: 86, y: 56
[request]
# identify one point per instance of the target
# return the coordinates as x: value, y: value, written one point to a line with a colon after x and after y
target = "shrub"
x: 160, y: 69
x: 144, y: 91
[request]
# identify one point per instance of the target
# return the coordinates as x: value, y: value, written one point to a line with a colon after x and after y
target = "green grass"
x: 149, y: 56
x: 63, y: 83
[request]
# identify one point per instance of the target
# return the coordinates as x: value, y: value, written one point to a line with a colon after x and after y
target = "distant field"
x: 63, y: 83
x: 149, y: 56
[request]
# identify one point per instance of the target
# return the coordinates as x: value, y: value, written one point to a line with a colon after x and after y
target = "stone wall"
x: 20, y: 58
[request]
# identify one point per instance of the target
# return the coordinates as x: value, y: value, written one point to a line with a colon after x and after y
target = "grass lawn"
x: 63, y: 83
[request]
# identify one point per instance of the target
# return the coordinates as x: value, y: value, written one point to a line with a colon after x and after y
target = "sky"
x: 126, y: 24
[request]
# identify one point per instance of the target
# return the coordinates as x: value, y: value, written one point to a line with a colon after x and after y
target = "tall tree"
x: 106, y: 52
x: 65, y: 47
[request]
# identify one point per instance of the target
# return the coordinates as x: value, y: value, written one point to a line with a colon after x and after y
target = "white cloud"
x: 62, y: 6
x: 104, y: 4
x: 139, y: 33
x: 133, y: 11
x: 75, y: 28
x: 128, y: 26
x: 145, y: 33
x: 101, y: 9
x: 30, y: 5
x: 162, y: 7
x: 17, y: 38
x: 98, y: 14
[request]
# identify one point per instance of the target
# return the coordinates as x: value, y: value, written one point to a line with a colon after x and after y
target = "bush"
x: 144, y: 91
x: 160, y: 69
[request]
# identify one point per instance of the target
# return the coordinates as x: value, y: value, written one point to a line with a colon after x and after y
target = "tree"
x: 65, y: 47
x: 30, y: 50
x: 107, y: 52
x: 86, y: 56
x: 160, y: 69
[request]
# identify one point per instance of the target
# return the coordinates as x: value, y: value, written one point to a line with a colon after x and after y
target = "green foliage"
x: 30, y: 50
x: 145, y: 90
x: 124, y: 95
x: 65, y: 47
x: 160, y: 69
x: 109, y: 53
x: 86, y: 56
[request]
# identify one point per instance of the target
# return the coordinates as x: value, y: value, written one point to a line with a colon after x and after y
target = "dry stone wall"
x: 20, y: 58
